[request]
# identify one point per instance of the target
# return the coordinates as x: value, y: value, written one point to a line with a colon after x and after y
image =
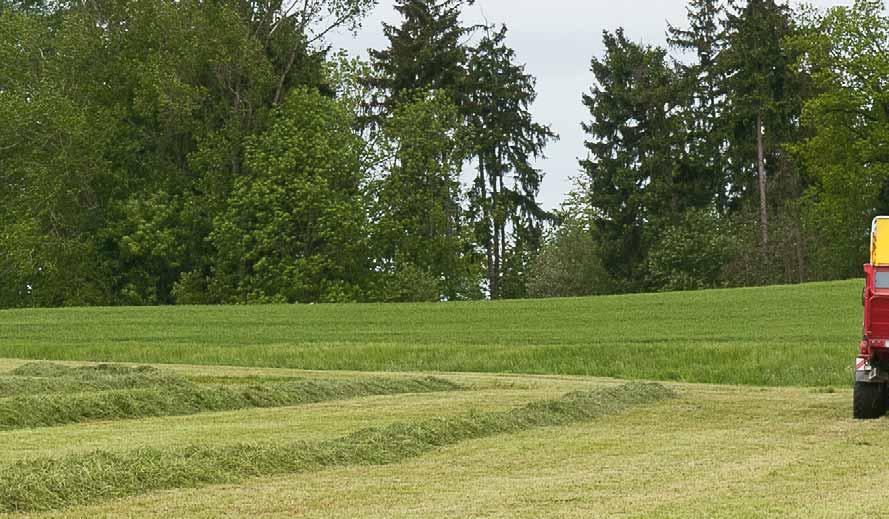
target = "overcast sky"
x: 556, y: 39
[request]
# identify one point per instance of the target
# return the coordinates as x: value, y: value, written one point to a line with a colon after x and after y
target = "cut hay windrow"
x: 37, y: 378
x: 185, y: 398
x: 47, y: 484
x: 89, y: 372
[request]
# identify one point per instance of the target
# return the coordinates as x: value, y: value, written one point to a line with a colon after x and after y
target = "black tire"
x: 868, y: 401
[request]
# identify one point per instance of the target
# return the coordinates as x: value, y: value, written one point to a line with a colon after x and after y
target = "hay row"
x: 168, y: 395
x: 47, y: 484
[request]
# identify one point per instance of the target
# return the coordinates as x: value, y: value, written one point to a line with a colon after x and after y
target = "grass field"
x: 499, y: 446
x: 777, y: 336
x: 513, y: 409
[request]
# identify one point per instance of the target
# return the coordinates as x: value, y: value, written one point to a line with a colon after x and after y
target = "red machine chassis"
x: 872, y: 364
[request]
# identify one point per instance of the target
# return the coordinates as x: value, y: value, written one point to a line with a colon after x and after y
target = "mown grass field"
x: 512, y: 409
x: 776, y: 336
x: 485, y: 446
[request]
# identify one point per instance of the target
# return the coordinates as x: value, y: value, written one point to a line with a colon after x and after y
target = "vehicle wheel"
x: 868, y: 400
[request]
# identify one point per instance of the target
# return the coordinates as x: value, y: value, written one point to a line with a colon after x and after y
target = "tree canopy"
x: 184, y: 151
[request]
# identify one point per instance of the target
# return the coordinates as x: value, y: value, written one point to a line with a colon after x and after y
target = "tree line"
x: 752, y: 151
x: 207, y: 152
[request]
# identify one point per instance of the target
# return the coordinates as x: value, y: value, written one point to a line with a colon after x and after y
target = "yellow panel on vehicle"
x: 879, y: 241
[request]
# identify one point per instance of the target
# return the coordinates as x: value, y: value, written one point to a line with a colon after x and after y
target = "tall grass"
x: 794, y: 335
x: 78, y: 479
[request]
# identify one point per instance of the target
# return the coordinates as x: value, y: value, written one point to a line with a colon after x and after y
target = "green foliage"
x: 295, y: 225
x: 629, y: 177
x: 160, y: 152
x: 200, y: 85
x: 569, y: 265
x: 47, y: 214
x: 419, y: 95
x: 702, y: 164
x: 54, y: 168
x: 418, y: 225
x: 127, y: 122
x: 760, y: 78
x: 506, y: 140
x: 698, y: 141
x: 764, y: 96
x: 409, y: 283
x: 692, y: 254
x: 425, y: 53
x: 786, y: 258
x: 849, y: 120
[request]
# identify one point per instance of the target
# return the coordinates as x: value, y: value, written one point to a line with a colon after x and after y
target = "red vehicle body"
x: 871, y: 396
x: 870, y: 399
x: 873, y: 356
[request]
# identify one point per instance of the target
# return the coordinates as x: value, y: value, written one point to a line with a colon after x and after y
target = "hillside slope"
x: 788, y: 335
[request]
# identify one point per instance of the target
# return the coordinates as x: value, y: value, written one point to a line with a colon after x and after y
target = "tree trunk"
x: 787, y: 170
x: 502, y: 254
x: 495, y: 270
x: 800, y: 247
x: 761, y: 167
x: 486, y: 215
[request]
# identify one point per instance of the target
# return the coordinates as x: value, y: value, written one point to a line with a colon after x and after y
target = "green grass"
x: 52, y: 483
x: 217, y: 432
x: 172, y: 395
x: 491, y: 450
x: 42, y: 377
x: 778, y: 336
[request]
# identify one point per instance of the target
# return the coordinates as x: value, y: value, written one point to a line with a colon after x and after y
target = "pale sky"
x: 556, y: 39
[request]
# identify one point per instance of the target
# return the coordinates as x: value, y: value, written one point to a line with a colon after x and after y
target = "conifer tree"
x: 426, y: 52
x: 703, y: 98
x: 628, y: 179
x: 507, y: 139
x: 758, y: 83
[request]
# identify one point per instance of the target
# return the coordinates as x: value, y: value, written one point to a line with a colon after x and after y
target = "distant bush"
x: 410, y: 284
x: 569, y: 265
x: 786, y: 259
x: 691, y: 254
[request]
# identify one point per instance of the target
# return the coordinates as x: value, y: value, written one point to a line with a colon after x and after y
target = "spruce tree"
x: 425, y: 52
x: 628, y: 179
x: 506, y: 140
x: 760, y: 97
x: 703, y: 99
